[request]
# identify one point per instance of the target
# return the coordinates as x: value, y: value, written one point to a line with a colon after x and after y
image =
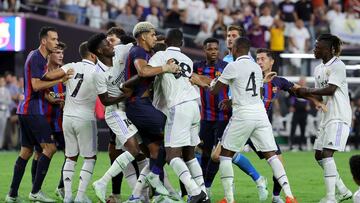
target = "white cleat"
x: 345, y: 196
x: 262, y: 188
x: 327, y: 200
x: 156, y: 183
x: 277, y: 199
x: 40, y: 197
x: 100, y: 190
x: 9, y: 199
x: 60, y: 193
x: 84, y: 199
x: 68, y: 200
x: 133, y: 200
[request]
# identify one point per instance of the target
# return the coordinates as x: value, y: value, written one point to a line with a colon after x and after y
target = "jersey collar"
x: 173, y: 49
x: 103, y: 66
x: 331, y: 61
x: 242, y: 57
x: 88, y: 62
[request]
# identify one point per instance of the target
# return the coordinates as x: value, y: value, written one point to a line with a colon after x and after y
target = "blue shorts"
x: 59, y: 142
x: 149, y: 121
x: 35, y: 130
x: 211, y: 132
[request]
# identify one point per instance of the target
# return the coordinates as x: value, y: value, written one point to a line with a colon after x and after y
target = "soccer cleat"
x: 156, y: 183
x: 133, y: 199
x: 68, y: 200
x: 9, y: 199
x: 40, y: 197
x: 60, y: 193
x: 262, y: 188
x: 113, y: 199
x: 100, y: 190
x: 197, y: 198
x: 345, y: 196
x: 277, y: 199
x: 224, y: 201
x: 327, y: 200
x: 290, y: 200
x: 84, y: 199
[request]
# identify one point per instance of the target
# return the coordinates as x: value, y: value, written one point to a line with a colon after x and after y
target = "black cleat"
x: 198, y: 198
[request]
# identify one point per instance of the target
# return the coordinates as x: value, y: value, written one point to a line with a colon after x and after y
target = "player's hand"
x: 302, y: 92
x: 196, y: 80
x: 127, y: 91
x: 268, y: 77
x: 321, y: 106
x: 225, y: 104
x: 69, y: 74
x: 215, y: 154
x: 171, y: 68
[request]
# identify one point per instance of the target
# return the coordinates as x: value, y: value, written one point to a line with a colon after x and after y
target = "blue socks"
x: 19, y: 170
x: 245, y: 165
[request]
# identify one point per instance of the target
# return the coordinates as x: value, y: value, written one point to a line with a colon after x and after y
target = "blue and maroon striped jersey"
x: 137, y: 52
x: 34, y: 102
x: 272, y: 88
x: 210, y: 103
x: 54, y: 113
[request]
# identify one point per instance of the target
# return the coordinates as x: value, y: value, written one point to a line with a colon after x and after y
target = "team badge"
x: 217, y: 73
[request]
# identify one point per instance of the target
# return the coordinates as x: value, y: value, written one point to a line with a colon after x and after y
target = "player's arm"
x: 315, y: 99
x: 145, y: 70
x: 64, y: 71
x: 223, y: 81
x: 325, y: 91
x: 106, y: 100
x: 200, y: 80
x: 38, y: 84
x: 132, y: 82
x: 217, y: 86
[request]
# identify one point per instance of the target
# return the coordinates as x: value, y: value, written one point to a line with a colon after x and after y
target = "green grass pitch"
x: 305, y: 176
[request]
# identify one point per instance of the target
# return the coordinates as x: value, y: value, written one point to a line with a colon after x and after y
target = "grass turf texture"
x: 306, y: 177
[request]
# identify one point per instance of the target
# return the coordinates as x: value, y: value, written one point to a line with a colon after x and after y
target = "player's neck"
x: 325, y: 59
x: 107, y: 61
x: 52, y: 67
x: 210, y: 62
x: 44, y: 52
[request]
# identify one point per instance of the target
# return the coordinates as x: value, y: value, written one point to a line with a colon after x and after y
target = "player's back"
x: 176, y: 88
x: 80, y: 91
x: 245, y: 79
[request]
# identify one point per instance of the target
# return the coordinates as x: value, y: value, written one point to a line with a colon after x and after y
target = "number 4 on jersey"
x: 253, y: 85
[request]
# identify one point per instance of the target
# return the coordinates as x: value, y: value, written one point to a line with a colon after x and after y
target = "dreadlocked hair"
x: 334, y: 43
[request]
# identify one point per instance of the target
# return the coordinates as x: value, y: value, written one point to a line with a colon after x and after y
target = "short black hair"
x: 118, y: 31
x: 61, y: 46
x: 126, y: 39
x: 355, y: 167
x: 83, y: 50
x: 268, y: 52
x: 160, y: 37
x: 94, y: 42
x: 174, y: 37
x: 333, y: 42
x: 44, y: 31
x: 210, y: 40
x: 159, y: 46
x: 242, y: 43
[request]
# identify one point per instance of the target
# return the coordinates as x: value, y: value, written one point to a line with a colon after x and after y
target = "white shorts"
x: 237, y: 132
x: 80, y: 137
x: 183, y: 125
x: 333, y: 135
x: 121, y: 126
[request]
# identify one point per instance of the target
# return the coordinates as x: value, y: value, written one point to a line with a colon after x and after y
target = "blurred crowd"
x: 281, y: 25
x: 294, y: 119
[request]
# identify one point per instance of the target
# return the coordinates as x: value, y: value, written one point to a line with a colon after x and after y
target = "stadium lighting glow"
x: 18, y: 31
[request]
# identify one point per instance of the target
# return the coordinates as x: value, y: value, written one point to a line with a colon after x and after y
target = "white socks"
x: 196, y: 173
x: 227, y: 177
x: 130, y: 175
x: 339, y: 183
x: 68, y: 173
x: 85, y: 177
x: 330, y: 174
x: 141, y: 182
x: 182, y: 171
x: 118, y: 166
x: 280, y: 175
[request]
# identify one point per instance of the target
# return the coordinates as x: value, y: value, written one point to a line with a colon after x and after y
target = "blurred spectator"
x: 208, y: 15
x: 219, y: 32
x: 97, y: 13
x: 82, y: 5
x: 277, y: 43
x: 288, y: 15
x: 228, y: 20
x: 356, y: 123
x: 116, y: 6
x: 320, y: 21
x: 335, y: 12
x: 11, y: 85
x: 256, y: 34
x: 202, y: 35
x: 300, y: 108
x: 299, y: 43
x: 71, y: 8
x: 271, y: 5
x: 127, y: 19
x: 134, y: 6
x: 173, y: 15
x: 5, y: 101
x: 153, y: 17
x: 304, y: 11
x: 248, y: 17
x: 266, y: 19
x: 149, y: 9
x: 193, y: 16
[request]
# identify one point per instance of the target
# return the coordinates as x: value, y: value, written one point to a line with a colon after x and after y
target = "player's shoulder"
x: 222, y: 63
x: 199, y: 64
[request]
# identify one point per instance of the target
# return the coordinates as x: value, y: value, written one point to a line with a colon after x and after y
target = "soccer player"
x: 355, y: 171
x: 332, y: 88
x: 245, y: 86
x: 213, y: 120
x: 139, y: 109
x: 35, y: 130
x: 177, y: 98
x: 79, y: 123
x: 114, y: 34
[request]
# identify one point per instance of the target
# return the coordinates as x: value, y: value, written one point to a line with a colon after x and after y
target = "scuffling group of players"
x: 159, y: 106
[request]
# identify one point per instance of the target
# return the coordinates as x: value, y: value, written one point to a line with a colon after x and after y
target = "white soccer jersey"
x: 121, y: 52
x: 174, y: 88
x: 80, y: 90
x: 338, y: 105
x: 245, y: 79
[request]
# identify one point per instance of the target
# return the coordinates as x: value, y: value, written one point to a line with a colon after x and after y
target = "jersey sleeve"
x: 157, y: 59
x: 100, y: 83
x: 228, y: 74
x: 36, y: 68
x: 285, y: 84
x: 138, y: 53
x: 337, y: 75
